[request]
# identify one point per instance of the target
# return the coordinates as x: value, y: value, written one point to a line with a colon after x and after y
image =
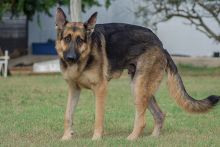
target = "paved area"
x: 51, y: 63
x: 30, y: 60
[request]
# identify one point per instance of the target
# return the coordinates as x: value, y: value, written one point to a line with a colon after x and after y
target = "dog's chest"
x: 86, y: 79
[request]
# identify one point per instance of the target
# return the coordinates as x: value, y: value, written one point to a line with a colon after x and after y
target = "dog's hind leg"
x: 143, y: 95
x: 145, y: 82
x: 158, y: 116
x: 141, y: 101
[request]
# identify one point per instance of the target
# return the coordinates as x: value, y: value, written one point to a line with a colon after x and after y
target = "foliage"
x: 90, y: 3
x: 30, y: 7
x: 198, y: 12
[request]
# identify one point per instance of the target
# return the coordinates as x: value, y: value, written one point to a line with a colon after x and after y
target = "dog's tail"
x: 183, y: 99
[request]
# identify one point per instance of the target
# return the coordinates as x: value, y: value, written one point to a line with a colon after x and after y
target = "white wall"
x: 177, y: 37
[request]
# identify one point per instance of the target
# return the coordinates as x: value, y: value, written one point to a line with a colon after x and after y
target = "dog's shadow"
x: 118, y: 133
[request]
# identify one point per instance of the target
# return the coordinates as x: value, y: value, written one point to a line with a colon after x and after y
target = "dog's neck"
x: 78, y: 66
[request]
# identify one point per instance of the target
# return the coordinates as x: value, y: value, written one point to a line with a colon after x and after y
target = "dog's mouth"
x: 71, y: 61
x: 71, y: 57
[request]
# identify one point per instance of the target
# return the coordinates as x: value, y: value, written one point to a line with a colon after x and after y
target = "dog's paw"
x: 155, y: 133
x: 132, y: 137
x: 96, y: 137
x: 67, y: 136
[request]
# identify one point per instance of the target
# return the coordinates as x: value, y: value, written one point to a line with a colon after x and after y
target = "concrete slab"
x: 47, y: 67
x: 30, y: 60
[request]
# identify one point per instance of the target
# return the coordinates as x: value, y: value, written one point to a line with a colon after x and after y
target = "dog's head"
x: 72, y: 43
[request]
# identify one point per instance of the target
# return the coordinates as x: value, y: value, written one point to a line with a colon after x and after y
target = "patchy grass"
x: 187, y: 69
x: 32, y: 108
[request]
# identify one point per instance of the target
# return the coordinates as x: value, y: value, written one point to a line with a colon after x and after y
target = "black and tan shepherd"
x: 92, y: 54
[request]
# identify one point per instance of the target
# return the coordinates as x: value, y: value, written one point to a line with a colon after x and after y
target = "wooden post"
x: 6, y: 64
x: 75, y: 10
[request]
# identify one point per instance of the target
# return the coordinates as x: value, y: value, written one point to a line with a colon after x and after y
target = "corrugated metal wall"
x: 13, y: 34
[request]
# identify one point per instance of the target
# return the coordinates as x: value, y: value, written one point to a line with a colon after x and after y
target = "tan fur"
x: 183, y: 99
x: 94, y: 78
x: 100, y: 93
x: 145, y: 83
x: 73, y: 97
x: 92, y: 70
x: 149, y: 74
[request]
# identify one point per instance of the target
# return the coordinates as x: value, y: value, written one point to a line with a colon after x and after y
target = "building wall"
x: 177, y: 37
x: 13, y: 36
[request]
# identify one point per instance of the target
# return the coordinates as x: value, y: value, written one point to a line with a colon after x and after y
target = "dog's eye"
x: 67, y: 39
x: 79, y: 40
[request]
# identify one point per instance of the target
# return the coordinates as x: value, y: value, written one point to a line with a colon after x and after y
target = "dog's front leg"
x: 100, y: 94
x: 73, y: 97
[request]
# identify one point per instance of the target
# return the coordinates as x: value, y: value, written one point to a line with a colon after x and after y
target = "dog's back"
x: 125, y: 42
x: 93, y: 54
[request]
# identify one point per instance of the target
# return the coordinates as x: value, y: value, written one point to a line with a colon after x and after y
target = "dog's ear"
x: 90, y: 23
x: 60, y: 18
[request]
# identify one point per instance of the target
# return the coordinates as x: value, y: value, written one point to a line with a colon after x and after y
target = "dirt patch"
x: 198, y: 61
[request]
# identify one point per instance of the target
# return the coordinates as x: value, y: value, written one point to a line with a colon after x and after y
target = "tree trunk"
x: 75, y: 10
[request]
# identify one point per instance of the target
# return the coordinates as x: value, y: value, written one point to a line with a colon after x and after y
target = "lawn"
x: 32, y: 108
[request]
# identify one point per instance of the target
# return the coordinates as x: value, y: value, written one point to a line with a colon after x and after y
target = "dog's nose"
x: 71, y: 56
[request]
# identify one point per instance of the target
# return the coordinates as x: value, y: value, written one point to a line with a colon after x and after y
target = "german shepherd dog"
x: 92, y: 54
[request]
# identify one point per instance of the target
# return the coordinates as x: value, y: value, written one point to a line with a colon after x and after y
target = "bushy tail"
x: 183, y: 99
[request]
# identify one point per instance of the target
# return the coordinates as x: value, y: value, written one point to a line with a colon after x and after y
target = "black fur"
x: 131, y: 70
x: 96, y: 40
x: 89, y: 61
x: 170, y: 63
x: 213, y: 99
x: 125, y: 42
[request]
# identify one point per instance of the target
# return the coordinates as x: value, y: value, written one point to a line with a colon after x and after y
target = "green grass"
x: 187, y: 69
x: 32, y: 108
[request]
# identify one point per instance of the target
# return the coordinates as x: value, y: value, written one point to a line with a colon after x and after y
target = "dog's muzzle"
x: 71, y: 56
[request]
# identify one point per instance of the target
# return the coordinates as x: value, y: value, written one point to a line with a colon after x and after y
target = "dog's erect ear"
x: 60, y: 18
x: 91, y: 22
